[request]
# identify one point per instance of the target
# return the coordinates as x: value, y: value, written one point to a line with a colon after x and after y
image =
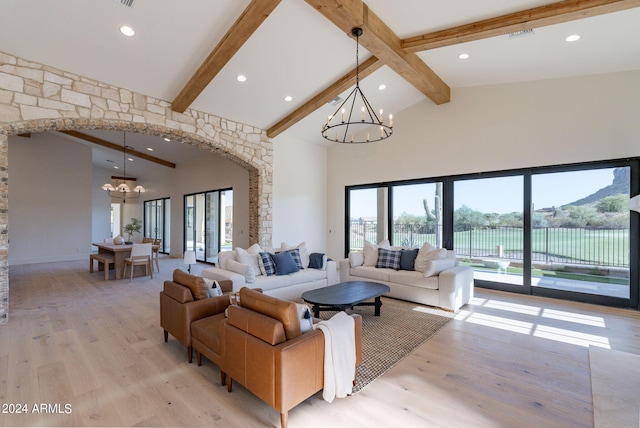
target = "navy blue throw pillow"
x: 408, y: 259
x: 285, y: 264
x: 315, y: 260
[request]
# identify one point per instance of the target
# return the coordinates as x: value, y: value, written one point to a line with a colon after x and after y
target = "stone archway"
x: 38, y: 98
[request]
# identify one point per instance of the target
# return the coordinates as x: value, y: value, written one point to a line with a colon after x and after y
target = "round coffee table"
x: 346, y: 295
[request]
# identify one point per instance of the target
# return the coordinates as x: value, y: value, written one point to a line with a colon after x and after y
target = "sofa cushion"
x: 281, y: 310
x: 272, y: 282
x: 285, y: 264
x: 194, y: 283
x: 388, y: 258
x: 245, y: 270
x: 371, y: 272
x: 428, y: 252
x: 304, y: 252
x: 249, y: 258
x: 307, y: 275
x: 267, y: 267
x: 295, y: 253
x: 371, y: 251
x: 223, y: 256
x: 434, y: 267
x: 413, y: 278
x: 408, y: 259
x: 356, y: 258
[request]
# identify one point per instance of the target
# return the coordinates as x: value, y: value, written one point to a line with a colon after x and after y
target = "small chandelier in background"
x: 346, y: 127
x: 122, y: 190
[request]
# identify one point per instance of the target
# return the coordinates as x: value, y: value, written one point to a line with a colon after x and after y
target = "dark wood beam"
x: 384, y: 44
x: 110, y: 145
x: 536, y: 17
x: 345, y: 82
x: 238, y: 34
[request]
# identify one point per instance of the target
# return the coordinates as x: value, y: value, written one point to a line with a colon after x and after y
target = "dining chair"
x: 155, y: 249
x: 140, y: 256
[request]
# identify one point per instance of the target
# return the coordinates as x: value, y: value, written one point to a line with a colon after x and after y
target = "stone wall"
x: 38, y: 98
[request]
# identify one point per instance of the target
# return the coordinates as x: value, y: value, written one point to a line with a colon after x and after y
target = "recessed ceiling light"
x: 127, y: 31
x: 463, y: 56
x: 241, y: 78
x: 130, y: 159
x: 116, y: 167
x: 288, y: 98
x: 167, y: 139
x: 149, y: 149
x: 572, y: 38
x: 382, y: 87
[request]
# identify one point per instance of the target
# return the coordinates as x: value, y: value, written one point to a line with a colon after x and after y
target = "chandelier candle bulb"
x: 342, y: 115
x: 362, y: 115
x: 390, y: 120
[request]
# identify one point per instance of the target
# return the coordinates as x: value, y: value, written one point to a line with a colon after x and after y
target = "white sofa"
x: 243, y: 268
x: 439, y: 280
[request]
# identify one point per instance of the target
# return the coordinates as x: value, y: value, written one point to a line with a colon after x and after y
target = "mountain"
x: 621, y: 180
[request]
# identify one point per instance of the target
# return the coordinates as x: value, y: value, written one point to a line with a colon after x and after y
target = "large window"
x: 157, y: 222
x: 208, y: 223
x: 563, y: 231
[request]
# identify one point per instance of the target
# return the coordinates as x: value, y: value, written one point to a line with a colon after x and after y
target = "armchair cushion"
x: 194, y: 283
x: 284, y: 311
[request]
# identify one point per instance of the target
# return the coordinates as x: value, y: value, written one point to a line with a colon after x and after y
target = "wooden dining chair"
x: 140, y: 256
x: 155, y: 251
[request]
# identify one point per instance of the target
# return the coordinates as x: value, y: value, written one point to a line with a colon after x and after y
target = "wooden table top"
x: 116, y: 248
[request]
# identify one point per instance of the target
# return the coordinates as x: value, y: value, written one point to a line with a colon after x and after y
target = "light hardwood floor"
x: 504, y: 361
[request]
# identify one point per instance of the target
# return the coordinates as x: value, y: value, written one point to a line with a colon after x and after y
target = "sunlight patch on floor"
x: 573, y: 317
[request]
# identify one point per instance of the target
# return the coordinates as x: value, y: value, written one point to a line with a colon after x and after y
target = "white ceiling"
x: 295, y: 52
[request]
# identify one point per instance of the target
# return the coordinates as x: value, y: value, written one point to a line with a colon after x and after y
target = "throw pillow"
x: 295, y: 253
x: 304, y: 253
x: 426, y: 253
x: 213, y: 288
x: 306, y: 321
x: 356, y: 258
x: 408, y: 259
x: 284, y: 263
x: 248, y: 258
x: 316, y: 260
x: 245, y: 270
x: 371, y: 251
x: 434, y: 267
x: 267, y: 267
x: 388, y: 259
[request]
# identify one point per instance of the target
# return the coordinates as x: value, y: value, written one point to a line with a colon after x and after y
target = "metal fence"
x: 580, y: 245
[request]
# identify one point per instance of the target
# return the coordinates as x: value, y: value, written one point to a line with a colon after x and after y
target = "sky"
x: 491, y: 195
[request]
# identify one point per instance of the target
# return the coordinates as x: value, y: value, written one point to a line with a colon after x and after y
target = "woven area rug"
x: 387, y: 339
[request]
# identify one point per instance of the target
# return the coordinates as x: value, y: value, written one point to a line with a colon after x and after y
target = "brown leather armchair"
x: 182, y: 302
x: 265, y: 351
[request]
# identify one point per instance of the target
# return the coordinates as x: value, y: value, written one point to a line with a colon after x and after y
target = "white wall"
x: 299, y: 194
x: 49, y: 200
x: 493, y: 128
x: 101, y: 206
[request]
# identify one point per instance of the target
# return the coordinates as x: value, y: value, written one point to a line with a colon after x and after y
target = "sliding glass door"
x: 157, y: 221
x: 488, y: 224
x: 580, y: 231
x: 208, y: 223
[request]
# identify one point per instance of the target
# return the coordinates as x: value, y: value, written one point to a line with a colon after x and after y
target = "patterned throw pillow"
x: 295, y: 253
x: 388, y: 259
x: 267, y: 267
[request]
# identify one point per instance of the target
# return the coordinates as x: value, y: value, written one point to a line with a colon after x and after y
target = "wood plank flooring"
x: 97, y: 348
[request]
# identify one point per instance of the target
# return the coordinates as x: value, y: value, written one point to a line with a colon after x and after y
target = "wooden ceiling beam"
x: 252, y: 17
x: 554, y: 13
x: 384, y: 44
x: 118, y: 148
x: 345, y: 82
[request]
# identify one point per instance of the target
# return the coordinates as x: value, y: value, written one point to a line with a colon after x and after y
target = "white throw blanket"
x: 339, y: 355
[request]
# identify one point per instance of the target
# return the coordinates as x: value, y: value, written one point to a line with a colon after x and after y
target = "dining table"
x: 120, y: 252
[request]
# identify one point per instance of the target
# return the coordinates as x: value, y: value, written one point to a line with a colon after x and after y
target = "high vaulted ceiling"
x: 190, y: 52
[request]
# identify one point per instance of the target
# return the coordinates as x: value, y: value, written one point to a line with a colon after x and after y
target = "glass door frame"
x: 166, y: 204
x: 205, y: 258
